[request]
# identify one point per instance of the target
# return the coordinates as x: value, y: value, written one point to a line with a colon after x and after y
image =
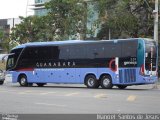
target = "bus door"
x: 150, y: 58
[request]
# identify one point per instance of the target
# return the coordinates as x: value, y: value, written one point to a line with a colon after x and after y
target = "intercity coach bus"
x: 105, y: 63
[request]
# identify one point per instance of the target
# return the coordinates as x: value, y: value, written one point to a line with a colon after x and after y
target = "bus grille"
x: 127, y: 76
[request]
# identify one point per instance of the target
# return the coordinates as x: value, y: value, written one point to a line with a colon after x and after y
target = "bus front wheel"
x: 23, y: 80
x: 106, y: 82
x: 91, y: 81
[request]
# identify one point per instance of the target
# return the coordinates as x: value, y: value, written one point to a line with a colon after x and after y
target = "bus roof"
x: 72, y: 42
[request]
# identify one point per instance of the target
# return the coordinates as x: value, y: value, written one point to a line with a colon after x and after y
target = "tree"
x: 29, y: 30
x: 4, y: 41
x: 1, y: 37
x: 128, y: 18
x: 66, y: 18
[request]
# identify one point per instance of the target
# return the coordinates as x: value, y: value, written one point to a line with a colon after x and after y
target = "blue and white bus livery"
x: 105, y: 63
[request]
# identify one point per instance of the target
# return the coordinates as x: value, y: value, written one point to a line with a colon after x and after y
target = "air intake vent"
x: 127, y: 75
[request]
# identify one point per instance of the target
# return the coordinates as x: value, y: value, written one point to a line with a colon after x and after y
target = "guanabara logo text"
x: 55, y: 64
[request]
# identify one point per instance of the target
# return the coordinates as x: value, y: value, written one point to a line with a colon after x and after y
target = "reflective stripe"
x: 117, y: 65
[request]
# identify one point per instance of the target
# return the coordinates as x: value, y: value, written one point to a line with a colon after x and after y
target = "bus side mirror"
x: 3, y: 59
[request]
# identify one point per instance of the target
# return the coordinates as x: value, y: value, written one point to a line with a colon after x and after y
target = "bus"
x: 105, y: 63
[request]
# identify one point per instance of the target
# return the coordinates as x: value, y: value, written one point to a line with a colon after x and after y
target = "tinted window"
x: 98, y: 50
x: 16, y: 53
x: 77, y: 52
x: 112, y: 50
x: 64, y: 52
x: 42, y: 52
x: 72, y: 52
x: 55, y: 52
x: 150, y: 55
x: 129, y: 49
x: 91, y: 51
x: 12, y: 59
x: 94, y: 50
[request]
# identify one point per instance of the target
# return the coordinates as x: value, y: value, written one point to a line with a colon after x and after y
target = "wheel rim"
x: 91, y: 82
x: 23, y: 81
x: 106, y: 82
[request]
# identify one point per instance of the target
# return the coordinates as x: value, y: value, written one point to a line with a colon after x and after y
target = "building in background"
x: 12, y: 22
x: 6, y: 26
x: 4, y: 31
x: 39, y: 8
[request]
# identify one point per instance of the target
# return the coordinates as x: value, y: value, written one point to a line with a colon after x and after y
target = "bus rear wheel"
x: 23, y: 80
x: 106, y: 82
x: 91, y: 81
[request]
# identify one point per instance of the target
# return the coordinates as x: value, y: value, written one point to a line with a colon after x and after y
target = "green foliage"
x: 128, y: 18
x: 30, y: 30
x: 1, y: 34
x: 2, y: 65
x: 4, y: 41
x: 66, y: 18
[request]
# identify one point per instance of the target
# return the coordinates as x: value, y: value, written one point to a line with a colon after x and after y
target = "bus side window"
x: 77, y: 52
x: 64, y: 52
x: 28, y: 53
x: 91, y: 51
x: 99, y: 51
x: 55, y: 52
x: 112, y: 50
x: 129, y: 49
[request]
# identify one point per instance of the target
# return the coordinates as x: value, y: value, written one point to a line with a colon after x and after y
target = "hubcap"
x: 23, y: 81
x: 91, y: 82
x: 106, y: 82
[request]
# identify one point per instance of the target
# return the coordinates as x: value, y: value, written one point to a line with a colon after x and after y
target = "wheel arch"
x: 103, y: 74
x: 106, y: 81
x: 21, y: 74
x: 88, y: 75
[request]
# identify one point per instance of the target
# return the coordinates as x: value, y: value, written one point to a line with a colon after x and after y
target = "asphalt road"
x: 77, y: 99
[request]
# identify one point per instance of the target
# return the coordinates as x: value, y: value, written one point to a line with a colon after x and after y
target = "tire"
x: 121, y: 86
x: 106, y: 82
x: 1, y: 82
x: 91, y: 81
x: 40, y: 84
x: 23, y: 80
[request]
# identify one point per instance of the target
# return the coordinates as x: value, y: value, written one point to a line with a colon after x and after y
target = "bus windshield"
x: 12, y: 58
x: 150, y: 55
